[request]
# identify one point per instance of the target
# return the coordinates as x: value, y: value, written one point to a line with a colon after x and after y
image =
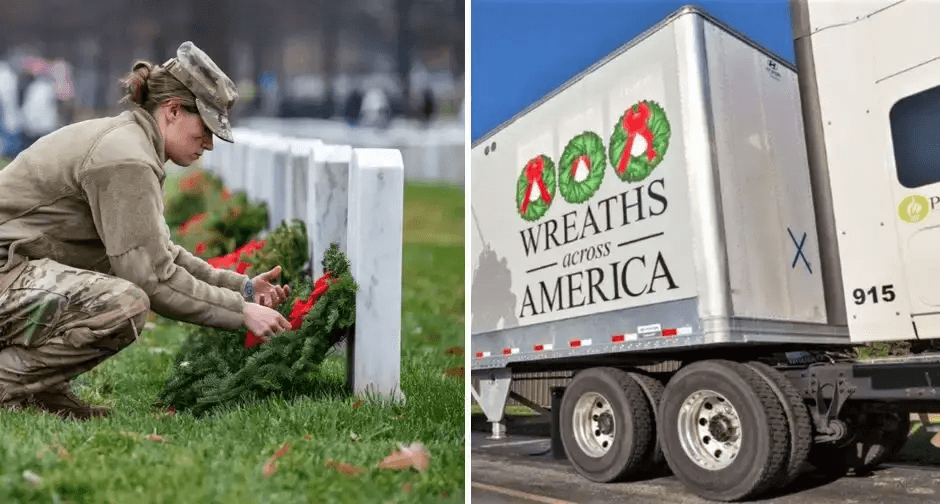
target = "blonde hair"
x: 150, y: 87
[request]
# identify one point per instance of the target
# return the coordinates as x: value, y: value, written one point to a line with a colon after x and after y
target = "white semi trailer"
x: 693, y: 197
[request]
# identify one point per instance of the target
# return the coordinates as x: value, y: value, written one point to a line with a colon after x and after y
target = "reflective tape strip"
x: 481, y: 355
x: 668, y: 333
x: 539, y: 348
x: 621, y: 338
x: 575, y: 343
x: 510, y: 351
x: 684, y: 331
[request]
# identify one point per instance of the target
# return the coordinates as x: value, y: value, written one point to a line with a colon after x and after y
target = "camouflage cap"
x: 215, y: 92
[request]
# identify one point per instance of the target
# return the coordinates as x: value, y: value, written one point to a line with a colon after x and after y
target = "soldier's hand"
x: 263, y: 321
x: 267, y: 292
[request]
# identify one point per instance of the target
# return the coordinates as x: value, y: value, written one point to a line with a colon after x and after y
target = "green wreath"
x: 646, y: 120
x: 542, y: 171
x: 588, y: 148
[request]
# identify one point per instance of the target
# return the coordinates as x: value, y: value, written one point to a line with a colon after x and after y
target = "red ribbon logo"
x: 634, y: 123
x: 574, y: 164
x: 533, y: 172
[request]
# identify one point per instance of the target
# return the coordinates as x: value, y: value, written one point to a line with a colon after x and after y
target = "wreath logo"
x: 639, y: 141
x: 581, y: 167
x: 535, y: 189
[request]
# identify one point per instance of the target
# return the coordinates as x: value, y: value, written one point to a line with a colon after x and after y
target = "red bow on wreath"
x: 533, y: 173
x: 233, y: 259
x: 634, y: 123
x: 300, y: 309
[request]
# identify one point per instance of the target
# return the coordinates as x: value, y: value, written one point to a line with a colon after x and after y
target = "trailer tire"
x: 871, y: 445
x: 653, y: 390
x: 606, y: 425
x: 723, y: 431
x: 801, y: 426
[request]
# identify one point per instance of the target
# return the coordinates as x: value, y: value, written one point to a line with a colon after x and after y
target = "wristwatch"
x: 249, y: 291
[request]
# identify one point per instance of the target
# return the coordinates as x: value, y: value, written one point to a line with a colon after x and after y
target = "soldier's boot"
x: 64, y: 403
x: 11, y: 405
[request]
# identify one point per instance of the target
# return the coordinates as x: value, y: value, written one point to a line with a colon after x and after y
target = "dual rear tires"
x: 728, y: 431
x: 607, y: 425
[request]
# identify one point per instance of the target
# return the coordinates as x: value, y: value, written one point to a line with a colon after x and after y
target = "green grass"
x: 221, y: 458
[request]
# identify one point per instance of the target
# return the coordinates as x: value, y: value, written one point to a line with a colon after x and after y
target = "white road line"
x: 513, y: 443
x: 516, y: 493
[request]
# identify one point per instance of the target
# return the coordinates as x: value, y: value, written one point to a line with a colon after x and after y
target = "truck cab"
x: 869, y: 75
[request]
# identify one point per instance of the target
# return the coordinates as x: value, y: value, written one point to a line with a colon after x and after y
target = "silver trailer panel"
x: 715, y: 245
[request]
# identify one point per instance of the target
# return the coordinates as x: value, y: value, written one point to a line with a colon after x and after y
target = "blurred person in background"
x: 85, y: 252
x: 427, y: 109
x: 353, y: 107
x: 9, y: 111
x: 376, y: 110
x: 39, y: 107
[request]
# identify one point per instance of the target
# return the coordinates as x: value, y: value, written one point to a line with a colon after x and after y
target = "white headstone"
x: 295, y: 183
x: 376, y: 193
x: 327, y: 201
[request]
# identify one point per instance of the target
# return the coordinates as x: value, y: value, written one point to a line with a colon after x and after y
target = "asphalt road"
x: 521, y: 469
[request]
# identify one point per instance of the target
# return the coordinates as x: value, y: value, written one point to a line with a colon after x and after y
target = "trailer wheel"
x: 798, y: 419
x: 872, y: 444
x: 606, y: 425
x: 653, y: 390
x: 723, y: 431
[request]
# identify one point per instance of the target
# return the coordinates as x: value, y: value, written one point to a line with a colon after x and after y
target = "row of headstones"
x: 353, y: 197
x: 431, y: 155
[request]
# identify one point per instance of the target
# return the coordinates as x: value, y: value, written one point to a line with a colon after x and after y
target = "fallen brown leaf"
x: 407, y: 488
x: 358, y: 403
x: 444, y: 494
x: 455, y: 372
x: 455, y: 350
x: 308, y: 437
x: 414, y: 455
x: 58, y: 449
x: 347, y: 469
x: 156, y: 438
x: 271, y: 465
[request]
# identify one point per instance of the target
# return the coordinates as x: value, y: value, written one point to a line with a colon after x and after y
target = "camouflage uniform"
x: 85, y: 252
x: 57, y: 322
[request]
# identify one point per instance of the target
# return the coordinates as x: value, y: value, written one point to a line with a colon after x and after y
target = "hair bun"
x: 142, y: 69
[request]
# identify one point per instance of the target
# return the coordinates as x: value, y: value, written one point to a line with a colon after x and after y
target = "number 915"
x: 863, y: 296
